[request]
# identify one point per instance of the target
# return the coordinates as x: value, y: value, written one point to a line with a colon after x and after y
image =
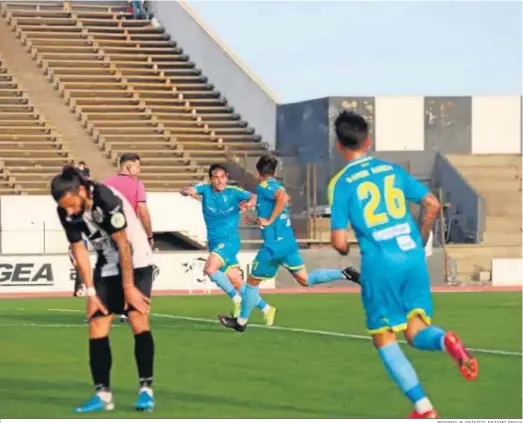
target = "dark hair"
x: 351, y: 129
x: 82, y: 163
x: 129, y: 157
x: 216, y: 166
x: 70, y: 180
x: 266, y: 165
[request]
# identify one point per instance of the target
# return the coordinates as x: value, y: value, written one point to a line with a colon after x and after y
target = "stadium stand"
x: 497, y: 178
x: 130, y: 87
x: 31, y: 150
x: 133, y: 88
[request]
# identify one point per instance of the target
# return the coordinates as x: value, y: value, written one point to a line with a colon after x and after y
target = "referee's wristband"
x: 90, y: 292
x: 150, y: 238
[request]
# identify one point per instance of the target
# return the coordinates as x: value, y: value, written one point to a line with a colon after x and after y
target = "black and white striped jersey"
x: 110, y: 212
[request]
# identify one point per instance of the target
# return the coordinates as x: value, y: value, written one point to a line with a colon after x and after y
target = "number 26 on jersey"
x: 392, y: 197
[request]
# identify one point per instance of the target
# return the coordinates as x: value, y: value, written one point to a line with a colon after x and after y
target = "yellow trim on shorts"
x: 421, y: 313
x: 265, y: 278
x: 232, y: 266
x: 258, y: 278
x: 293, y: 268
x: 384, y: 329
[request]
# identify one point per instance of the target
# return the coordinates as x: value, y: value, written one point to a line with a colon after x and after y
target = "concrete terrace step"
x: 493, y: 238
x: 503, y: 224
x: 471, y: 258
x: 112, y: 85
x: 459, y: 160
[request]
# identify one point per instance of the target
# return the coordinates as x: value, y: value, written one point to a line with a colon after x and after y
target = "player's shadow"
x: 47, y: 392
x: 41, y: 391
x: 254, y: 404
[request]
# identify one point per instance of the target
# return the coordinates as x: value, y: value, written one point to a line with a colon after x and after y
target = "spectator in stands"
x: 83, y: 170
x: 138, y: 9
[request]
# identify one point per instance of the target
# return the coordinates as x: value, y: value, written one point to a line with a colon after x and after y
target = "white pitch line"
x: 40, y: 325
x: 60, y: 325
x: 280, y: 328
x: 66, y: 310
x: 328, y: 333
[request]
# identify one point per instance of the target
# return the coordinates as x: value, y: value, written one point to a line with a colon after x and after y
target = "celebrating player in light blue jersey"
x: 222, y: 205
x: 373, y: 196
x: 279, y: 245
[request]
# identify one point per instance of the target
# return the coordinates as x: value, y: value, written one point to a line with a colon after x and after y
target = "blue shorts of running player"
x: 391, y: 296
x: 269, y: 259
x: 227, y: 252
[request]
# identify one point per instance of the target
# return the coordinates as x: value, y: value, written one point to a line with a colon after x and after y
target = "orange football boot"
x: 467, y: 364
x: 432, y: 414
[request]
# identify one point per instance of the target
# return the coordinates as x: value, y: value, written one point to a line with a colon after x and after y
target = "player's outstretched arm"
x: 431, y: 207
x: 249, y: 204
x: 189, y: 192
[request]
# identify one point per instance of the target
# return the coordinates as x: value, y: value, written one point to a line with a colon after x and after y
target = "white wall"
x: 54, y: 274
x: 30, y: 224
x: 507, y: 272
x: 400, y: 123
x: 496, y: 124
x: 232, y: 78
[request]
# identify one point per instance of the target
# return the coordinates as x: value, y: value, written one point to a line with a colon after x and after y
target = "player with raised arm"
x: 279, y: 245
x: 222, y: 205
x: 122, y: 275
x: 372, y: 195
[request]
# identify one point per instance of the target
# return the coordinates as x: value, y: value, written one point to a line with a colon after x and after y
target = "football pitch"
x: 318, y: 363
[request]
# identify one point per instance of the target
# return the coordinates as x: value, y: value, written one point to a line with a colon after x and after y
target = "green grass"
x: 206, y: 371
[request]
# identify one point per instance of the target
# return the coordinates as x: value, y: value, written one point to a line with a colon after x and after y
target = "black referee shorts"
x: 110, y: 290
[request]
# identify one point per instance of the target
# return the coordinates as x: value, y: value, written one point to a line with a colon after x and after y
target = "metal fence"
x: 306, y: 185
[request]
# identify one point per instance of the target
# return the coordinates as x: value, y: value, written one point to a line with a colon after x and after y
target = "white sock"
x: 266, y: 309
x: 242, y: 321
x: 146, y: 389
x: 443, y: 344
x: 237, y: 299
x: 106, y: 396
x: 423, y: 405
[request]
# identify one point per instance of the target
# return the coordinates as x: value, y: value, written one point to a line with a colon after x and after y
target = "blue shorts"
x: 268, y: 261
x: 227, y: 252
x: 391, y: 299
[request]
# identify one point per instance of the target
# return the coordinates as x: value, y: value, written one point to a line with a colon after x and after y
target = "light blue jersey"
x: 372, y: 195
x: 221, y: 213
x: 280, y: 231
x: 279, y: 243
